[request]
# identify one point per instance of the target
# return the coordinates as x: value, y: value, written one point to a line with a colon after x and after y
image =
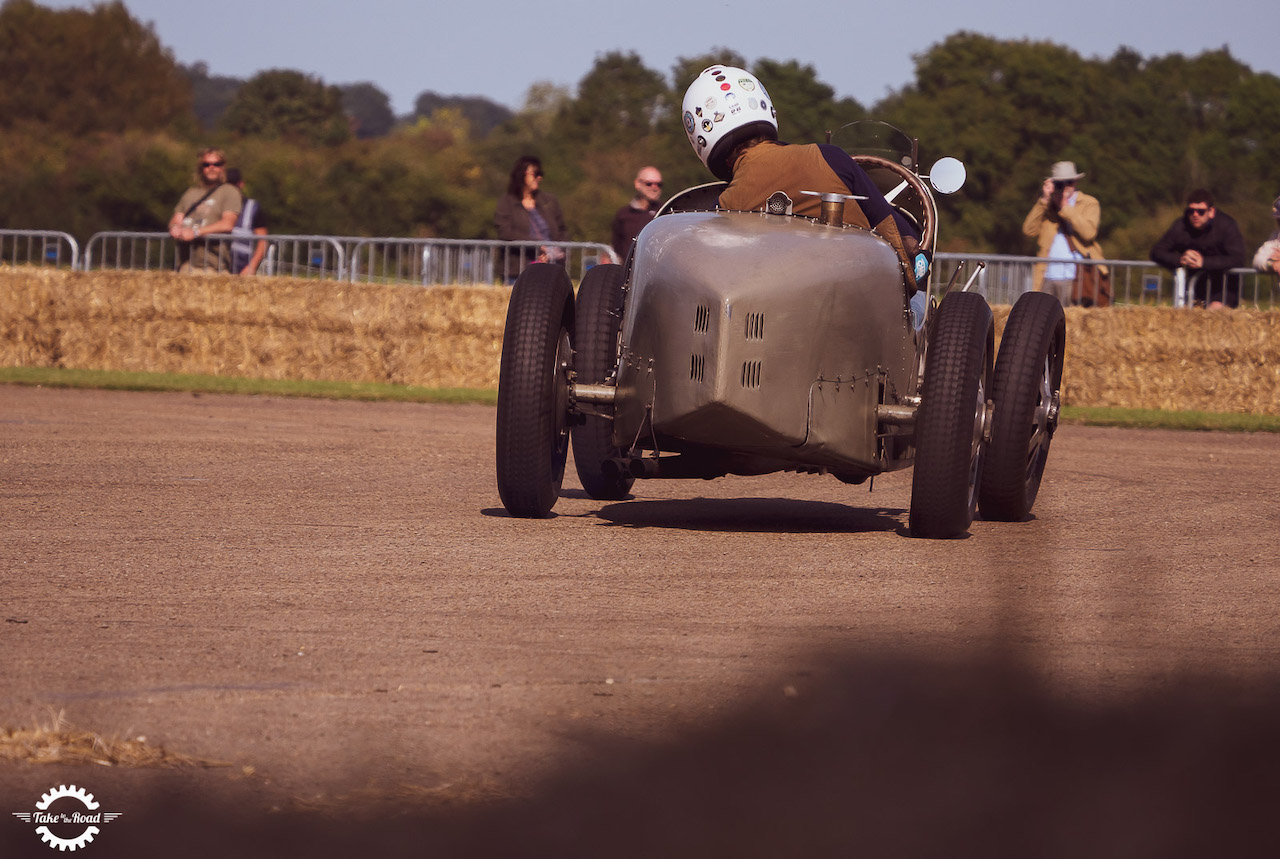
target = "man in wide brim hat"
x: 1064, y: 221
x: 1064, y: 171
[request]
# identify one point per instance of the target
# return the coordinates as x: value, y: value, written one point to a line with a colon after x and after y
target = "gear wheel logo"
x: 88, y: 821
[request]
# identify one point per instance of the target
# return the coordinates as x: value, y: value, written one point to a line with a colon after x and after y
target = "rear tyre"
x: 1026, y: 392
x: 950, y: 422
x: 533, y: 391
x: 598, y: 318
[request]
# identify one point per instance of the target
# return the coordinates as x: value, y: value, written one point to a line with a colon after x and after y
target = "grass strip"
x: 118, y: 380
x: 1149, y: 419
x: 377, y: 392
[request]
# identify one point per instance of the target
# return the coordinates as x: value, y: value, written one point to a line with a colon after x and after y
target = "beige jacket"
x: 1082, y: 218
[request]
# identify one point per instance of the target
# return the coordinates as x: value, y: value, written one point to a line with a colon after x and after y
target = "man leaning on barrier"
x: 211, y: 206
x: 1207, y: 243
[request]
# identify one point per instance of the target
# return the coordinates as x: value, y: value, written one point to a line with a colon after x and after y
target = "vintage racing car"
x: 757, y: 342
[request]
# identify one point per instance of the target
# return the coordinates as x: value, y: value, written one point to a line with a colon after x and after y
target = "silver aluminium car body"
x: 754, y: 342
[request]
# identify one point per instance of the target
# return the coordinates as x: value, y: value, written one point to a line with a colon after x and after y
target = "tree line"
x: 100, y: 126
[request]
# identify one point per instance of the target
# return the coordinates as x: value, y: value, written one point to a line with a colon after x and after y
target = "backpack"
x: 241, y: 246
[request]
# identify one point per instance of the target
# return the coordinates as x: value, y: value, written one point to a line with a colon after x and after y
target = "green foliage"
x: 619, y: 102
x: 1009, y: 109
x: 99, y: 134
x: 287, y: 104
x: 82, y: 71
x: 482, y: 115
x: 211, y: 94
x: 807, y: 108
x: 369, y: 110
x: 84, y: 185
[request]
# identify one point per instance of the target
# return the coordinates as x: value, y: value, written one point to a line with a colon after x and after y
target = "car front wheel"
x: 533, y: 391
x: 951, y: 421
x: 1027, y: 397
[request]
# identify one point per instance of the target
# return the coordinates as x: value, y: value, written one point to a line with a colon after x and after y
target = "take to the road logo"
x: 67, y: 817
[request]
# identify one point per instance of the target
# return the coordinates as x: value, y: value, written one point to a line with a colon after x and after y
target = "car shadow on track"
x: 753, y: 515
x: 961, y: 752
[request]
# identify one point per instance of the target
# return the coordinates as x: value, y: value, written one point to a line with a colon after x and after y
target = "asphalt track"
x: 330, y: 594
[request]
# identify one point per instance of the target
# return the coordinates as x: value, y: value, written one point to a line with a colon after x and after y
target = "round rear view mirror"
x: 947, y: 175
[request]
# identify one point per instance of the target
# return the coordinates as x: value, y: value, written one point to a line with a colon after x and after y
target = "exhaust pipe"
x: 645, y: 467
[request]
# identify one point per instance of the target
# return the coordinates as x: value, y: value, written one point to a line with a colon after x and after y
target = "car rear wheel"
x: 533, y: 391
x: 598, y: 318
x: 951, y: 420
x: 1026, y: 393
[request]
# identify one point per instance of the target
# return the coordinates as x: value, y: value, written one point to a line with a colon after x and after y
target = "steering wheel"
x: 927, y: 216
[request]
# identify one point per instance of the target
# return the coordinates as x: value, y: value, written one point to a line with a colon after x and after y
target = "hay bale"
x: 285, y: 328
x: 1162, y: 358
x: 270, y: 328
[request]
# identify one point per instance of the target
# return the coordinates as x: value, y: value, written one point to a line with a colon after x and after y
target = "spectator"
x: 209, y: 207
x: 631, y: 218
x: 246, y: 256
x: 1208, y: 243
x: 527, y: 213
x: 1268, y: 256
x: 732, y: 125
x: 1064, y: 221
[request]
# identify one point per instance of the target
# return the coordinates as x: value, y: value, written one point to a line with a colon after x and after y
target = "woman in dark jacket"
x: 527, y: 214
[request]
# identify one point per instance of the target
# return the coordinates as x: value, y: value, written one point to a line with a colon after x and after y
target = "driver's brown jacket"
x: 774, y: 166
x: 1081, y: 220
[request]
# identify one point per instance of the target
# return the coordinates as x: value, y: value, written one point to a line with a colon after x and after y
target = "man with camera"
x: 1065, y: 220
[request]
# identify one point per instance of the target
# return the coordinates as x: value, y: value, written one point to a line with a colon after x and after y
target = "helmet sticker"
x: 702, y: 142
x: 707, y: 125
x: 688, y: 122
x: 754, y: 104
x: 735, y: 108
x: 719, y: 117
x: 726, y: 87
x: 747, y: 84
x: 711, y: 103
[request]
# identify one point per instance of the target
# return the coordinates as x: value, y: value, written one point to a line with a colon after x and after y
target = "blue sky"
x: 497, y: 48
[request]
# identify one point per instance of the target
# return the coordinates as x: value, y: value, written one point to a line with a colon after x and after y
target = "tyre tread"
x: 529, y: 466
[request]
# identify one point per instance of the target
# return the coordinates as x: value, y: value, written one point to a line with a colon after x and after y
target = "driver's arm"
x: 859, y: 183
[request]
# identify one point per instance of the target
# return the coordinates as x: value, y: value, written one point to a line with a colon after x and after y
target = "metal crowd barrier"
x: 353, y: 258
x: 478, y: 261
x: 465, y: 261
x: 1132, y: 282
x: 320, y: 257
x: 39, y: 248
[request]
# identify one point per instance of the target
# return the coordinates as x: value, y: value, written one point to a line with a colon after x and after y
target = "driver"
x: 732, y: 124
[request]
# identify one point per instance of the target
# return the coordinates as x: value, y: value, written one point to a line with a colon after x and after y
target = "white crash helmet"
x: 724, y: 106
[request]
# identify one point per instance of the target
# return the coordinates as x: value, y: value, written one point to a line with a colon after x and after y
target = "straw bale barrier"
x: 284, y: 328
x: 267, y: 328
